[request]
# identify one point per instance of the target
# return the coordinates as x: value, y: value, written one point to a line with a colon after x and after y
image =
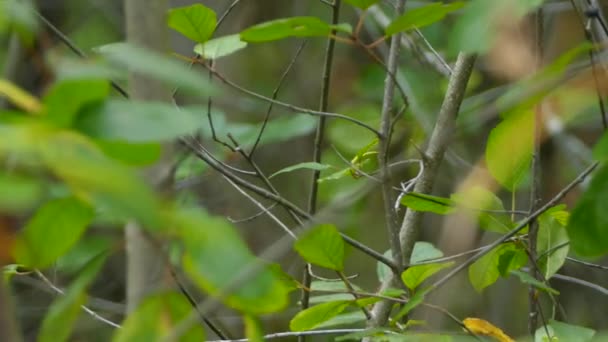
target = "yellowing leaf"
x: 19, y: 97
x: 482, y: 327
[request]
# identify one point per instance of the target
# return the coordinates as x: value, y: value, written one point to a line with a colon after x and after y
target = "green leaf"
x: 52, y: 231
x: 362, y: 4
x: 318, y: 286
x: 587, y: 225
x: 564, y: 332
x: 20, y: 16
x: 220, y: 47
x: 82, y: 253
x: 344, y: 319
x: 253, y: 329
x: 415, y: 275
x: 216, y: 258
x: 552, y: 234
x: 427, y: 203
x: 475, y: 200
x: 600, y: 150
x: 509, y: 149
x: 528, y: 279
x: 424, y: 251
x: 62, y: 314
x: 290, y: 27
x: 500, y: 261
x: 156, y: 66
x: 196, y: 22
x: 19, y: 193
x: 136, y: 154
x: 78, y: 162
x: 66, y: 98
x: 322, y: 246
x: 138, y: 121
x: 416, y: 299
x: 155, y: 318
x: 421, y: 16
x: 305, y: 165
x: 313, y: 317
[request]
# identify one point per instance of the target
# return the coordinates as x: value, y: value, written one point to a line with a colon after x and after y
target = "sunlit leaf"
x: 52, y: 231
x: 498, y: 262
x: 19, y: 97
x: 482, y: 327
x: 138, y: 122
x: 220, y: 47
x: 300, y: 166
x: 427, y: 203
x: 552, y: 241
x: 415, y: 275
x: 216, y: 258
x: 313, y: 317
x: 421, y: 16
x: 66, y: 98
x: 509, y: 149
x: 322, y: 246
x: 196, y: 21
x: 528, y: 279
x: 136, y: 154
x: 64, y: 311
x: 253, y: 329
x: 290, y: 27
x: 589, y: 219
x: 155, y: 318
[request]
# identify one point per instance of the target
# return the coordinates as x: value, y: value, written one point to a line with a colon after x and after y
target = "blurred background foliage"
x: 356, y: 91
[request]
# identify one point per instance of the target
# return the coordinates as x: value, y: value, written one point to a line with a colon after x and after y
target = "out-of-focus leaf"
x: 277, y: 130
x: 313, y: 317
x: 20, y: 15
x: 138, y: 122
x: 253, y: 329
x: 587, y: 225
x: 136, y: 154
x: 290, y: 27
x: 88, y: 172
x: 53, y: 230
x: 322, y: 246
x: 19, y: 97
x: 561, y: 331
x: 66, y: 98
x: 157, y: 66
x: 500, y: 261
x: 85, y: 250
x: 421, y: 16
x: 482, y: 327
x: 551, y: 235
x: 19, y: 193
x: 362, y: 4
x: 427, y: 203
x: 528, y: 279
x: 220, y: 47
x: 196, y: 21
x: 476, y: 201
x: 155, y: 318
x: 415, y: 275
x: 600, y: 150
x: 62, y: 314
x: 216, y: 258
x: 299, y: 166
x: 509, y: 150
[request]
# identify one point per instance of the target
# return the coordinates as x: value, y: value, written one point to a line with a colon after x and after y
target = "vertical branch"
x: 9, y: 330
x: 146, y: 27
x: 435, y: 151
x: 390, y: 216
x: 535, y: 191
x: 318, y: 142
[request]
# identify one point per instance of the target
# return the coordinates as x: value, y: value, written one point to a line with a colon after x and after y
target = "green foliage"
x: 318, y: 286
x: 563, y: 332
x: 196, y: 22
x: 415, y: 275
x: 528, y: 279
x: 138, y: 122
x: 416, y: 299
x: 155, y: 317
x: 52, y: 231
x: 423, y: 251
x: 216, y: 258
x: 291, y: 27
x: 220, y: 47
x: 300, y: 166
x: 19, y: 15
x: 322, y: 246
x: 498, y: 262
x: 600, y: 150
x: 362, y: 4
x: 421, y: 16
x: 19, y: 193
x: 65, y: 99
x: 135, y: 154
x: 427, y: 203
x: 64, y: 311
x: 253, y: 329
x: 313, y: 317
x: 589, y: 219
x: 552, y: 241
